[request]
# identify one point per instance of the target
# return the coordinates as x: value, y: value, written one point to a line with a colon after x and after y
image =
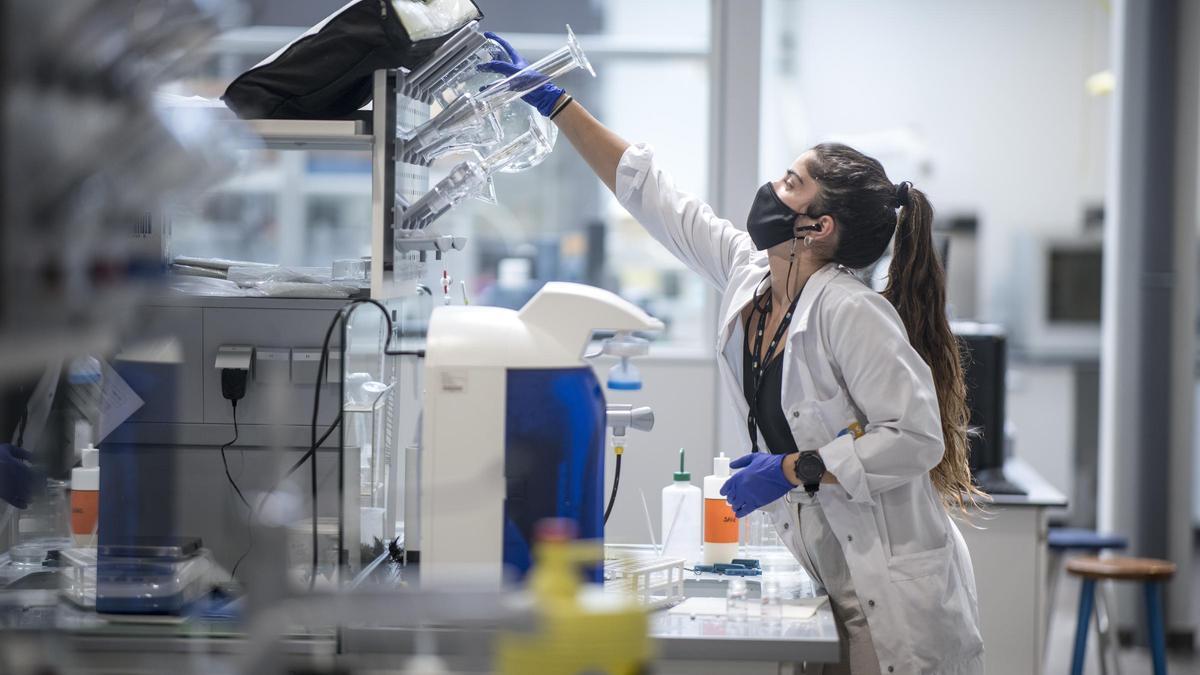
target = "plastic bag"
x: 254, y: 275
x: 296, y: 289
x: 326, y: 73
x: 209, y: 287
x: 290, y: 282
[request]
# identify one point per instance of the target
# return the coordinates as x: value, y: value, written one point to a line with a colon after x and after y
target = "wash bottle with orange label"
x: 720, y: 525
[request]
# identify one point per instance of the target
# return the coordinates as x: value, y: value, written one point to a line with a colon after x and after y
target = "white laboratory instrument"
x: 513, y: 428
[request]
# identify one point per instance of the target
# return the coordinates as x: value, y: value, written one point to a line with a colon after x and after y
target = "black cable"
x: 295, y: 467
x: 225, y: 461
x: 312, y: 580
x: 238, y: 490
x: 309, y: 453
x: 342, y: 315
x: 612, y: 497
x: 238, y: 564
x: 321, y: 366
x: 298, y: 463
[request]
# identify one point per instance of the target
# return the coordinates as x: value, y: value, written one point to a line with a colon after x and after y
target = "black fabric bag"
x: 326, y: 73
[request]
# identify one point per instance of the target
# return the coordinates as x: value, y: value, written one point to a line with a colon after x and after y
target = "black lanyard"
x: 759, y: 367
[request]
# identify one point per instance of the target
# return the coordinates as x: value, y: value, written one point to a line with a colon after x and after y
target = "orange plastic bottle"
x: 720, y: 525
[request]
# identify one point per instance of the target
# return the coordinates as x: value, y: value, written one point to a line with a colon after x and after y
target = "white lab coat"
x: 846, y: 358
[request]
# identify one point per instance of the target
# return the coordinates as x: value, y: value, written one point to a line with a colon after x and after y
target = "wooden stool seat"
x: 1152, y: 574
x: 1121, y: 568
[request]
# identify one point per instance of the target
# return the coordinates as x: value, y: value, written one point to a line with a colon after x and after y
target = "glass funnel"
x: 473, y: 178
x: 473, y: 114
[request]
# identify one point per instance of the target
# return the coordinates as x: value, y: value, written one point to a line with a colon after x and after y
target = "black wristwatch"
x: 810, y: 468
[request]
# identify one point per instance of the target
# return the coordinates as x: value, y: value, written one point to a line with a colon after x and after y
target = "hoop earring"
x: 808, y: 242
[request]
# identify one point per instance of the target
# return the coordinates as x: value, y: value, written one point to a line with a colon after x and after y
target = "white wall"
x: 680, y: 390
x: 1041, y: 408
x: 995, y: 91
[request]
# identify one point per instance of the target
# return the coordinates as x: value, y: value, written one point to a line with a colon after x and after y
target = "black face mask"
x: 771, y: 222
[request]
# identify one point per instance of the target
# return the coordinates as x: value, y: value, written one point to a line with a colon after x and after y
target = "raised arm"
x: 599, y: 146
x: 685, y: 225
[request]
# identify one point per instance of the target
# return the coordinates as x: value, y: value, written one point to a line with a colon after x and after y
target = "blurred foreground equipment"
x: 88, y: 164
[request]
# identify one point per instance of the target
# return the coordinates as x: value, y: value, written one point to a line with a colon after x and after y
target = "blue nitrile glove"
x: 760, y: 482
x: 17, y: 477
x: 543, y: 98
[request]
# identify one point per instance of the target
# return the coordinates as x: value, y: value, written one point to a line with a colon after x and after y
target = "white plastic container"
x: 681, y: 516
x: 720, y: 524
x: 85, y: 378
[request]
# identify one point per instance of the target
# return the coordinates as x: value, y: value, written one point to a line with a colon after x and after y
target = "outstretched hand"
x: 543, y: 97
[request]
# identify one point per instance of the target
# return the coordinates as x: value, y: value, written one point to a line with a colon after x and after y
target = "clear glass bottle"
x: 771, y: 600
x: 737, y: 600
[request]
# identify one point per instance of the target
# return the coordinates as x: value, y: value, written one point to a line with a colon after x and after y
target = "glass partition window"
x: 302, y: 208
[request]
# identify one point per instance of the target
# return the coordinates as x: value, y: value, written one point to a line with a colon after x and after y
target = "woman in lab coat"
x: 854, y: 400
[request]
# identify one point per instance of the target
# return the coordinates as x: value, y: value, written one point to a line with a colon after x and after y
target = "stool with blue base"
x: 1063, y: 540
x: 1151, y: 573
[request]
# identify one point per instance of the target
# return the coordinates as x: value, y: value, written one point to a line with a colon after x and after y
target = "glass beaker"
x: 771, y: 600
x: 737, y: 600
x: 45, y: 526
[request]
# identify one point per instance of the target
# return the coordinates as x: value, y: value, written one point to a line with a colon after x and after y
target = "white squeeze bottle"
x: 720, y: 524
x: 681, y: 505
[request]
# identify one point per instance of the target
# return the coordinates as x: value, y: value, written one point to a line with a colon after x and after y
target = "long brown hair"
x: 855, y: 190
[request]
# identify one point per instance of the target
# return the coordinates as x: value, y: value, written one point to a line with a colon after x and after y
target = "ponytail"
x: 917, y: 289
x: 855, y: 190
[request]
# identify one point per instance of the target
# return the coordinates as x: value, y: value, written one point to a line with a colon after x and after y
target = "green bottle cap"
x: 682, y: 475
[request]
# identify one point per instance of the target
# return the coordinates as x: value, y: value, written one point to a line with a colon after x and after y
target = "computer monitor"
x: 985, y: 353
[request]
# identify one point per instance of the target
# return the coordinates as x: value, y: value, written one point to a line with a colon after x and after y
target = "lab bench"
x: 684, y: 644
x: 696, y: 645
x: 1007, y: 541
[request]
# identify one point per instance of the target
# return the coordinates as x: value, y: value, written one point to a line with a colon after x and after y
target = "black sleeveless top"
x: 772, y: 422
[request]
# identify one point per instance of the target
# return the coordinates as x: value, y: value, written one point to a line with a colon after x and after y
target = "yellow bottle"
x: 582, y: 632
